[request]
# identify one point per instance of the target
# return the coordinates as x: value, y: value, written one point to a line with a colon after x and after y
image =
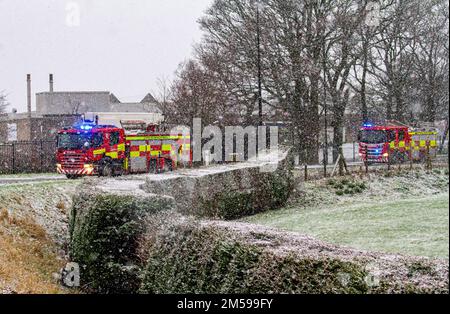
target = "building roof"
x: 74, y: 92
x: 113, y: 98
x: 149, y: 99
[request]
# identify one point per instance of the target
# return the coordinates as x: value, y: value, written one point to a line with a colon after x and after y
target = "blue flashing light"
x: 86, y: 127
x: 367, y: 125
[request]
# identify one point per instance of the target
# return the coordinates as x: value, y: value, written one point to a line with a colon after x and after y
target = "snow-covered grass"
x: 405, y: 212
x: 47, y: 203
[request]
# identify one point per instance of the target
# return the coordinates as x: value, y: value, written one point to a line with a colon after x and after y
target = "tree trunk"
x: 429, y: 114
x: 399, y: 106
x: 444, y: 138
x: 312, y: 126
x: 338, y: 136
x: 389, y: 111
x: 337, y: 140
x: 364, y: 110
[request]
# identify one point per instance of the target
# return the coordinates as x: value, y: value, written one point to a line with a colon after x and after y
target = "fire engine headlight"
x: 386, y: 155
x: 89, y: 167
x: 59, y: 166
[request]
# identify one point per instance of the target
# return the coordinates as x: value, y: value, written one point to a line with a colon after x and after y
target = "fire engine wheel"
x: 118, y: 171
x: 153, y: 166
x: 167, y: 165
x: 106, y: 169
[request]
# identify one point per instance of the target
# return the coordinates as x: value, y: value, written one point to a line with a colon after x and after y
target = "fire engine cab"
x: 92, y: 148
x: 395, y: 143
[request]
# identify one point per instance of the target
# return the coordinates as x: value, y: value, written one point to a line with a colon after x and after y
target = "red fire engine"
x: 395, y: 143
x: 90, y: 149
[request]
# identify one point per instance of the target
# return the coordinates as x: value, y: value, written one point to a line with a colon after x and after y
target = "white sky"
x: 122, y: 46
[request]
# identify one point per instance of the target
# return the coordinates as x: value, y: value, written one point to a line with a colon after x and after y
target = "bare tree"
x: 195, y: 94
x: 392, y: 64
x: 3, y: 102
x: 163, y: 97
x: 289, y: 60
x: 312, y: 52
x: 431, y: 60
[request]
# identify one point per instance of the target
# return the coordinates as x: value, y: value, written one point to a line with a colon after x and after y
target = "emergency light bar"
x: 86, y: 127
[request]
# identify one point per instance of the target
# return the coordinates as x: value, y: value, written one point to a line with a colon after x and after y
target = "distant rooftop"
x: 75, y: 92
x: 149, y: 99
x: 112, y: 97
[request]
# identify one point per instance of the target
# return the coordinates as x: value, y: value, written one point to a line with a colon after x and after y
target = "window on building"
x: 12, y: 132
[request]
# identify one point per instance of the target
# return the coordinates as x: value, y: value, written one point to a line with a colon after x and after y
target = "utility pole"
x: 325, y: 149
x: 258, y: 40
x: 325, y: 155
x: 30, y: 126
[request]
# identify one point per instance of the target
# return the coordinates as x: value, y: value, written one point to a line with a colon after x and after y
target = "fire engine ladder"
x: 397, y: 123
x: 133, y: 126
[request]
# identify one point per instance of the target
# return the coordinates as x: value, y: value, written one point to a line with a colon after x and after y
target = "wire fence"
x: 428, y: 160
x: 28, y: 157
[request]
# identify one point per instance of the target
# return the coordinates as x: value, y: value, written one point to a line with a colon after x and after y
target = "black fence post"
x: 306, y: 172
x: 428, y: 160
x: 354, y: 152
x: 410, y: 157
x: 13, y: 157
x: 41, y: 155
x: 366, y: 160
x: 325, y: 160
x: 389, y: 161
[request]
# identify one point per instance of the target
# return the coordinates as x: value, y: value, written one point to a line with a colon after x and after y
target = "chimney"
x: 29, y: 95
x: 50, y: 80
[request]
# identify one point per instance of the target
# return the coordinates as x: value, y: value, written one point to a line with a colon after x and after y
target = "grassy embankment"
x: 29, y: 256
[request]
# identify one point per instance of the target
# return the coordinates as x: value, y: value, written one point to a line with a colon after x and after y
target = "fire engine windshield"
x: 78, y: 141
x: 372, y: 136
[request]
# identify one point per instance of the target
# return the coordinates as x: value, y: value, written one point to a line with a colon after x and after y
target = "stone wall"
x: 229, y: 192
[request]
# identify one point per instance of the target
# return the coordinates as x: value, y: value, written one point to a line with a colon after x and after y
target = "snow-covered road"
x: 15, y: 179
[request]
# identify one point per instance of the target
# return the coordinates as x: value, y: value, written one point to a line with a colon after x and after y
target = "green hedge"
x: 104, y: 233
x: 188, y: 259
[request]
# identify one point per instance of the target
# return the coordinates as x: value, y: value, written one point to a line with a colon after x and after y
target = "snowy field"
x: 407, y: 214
